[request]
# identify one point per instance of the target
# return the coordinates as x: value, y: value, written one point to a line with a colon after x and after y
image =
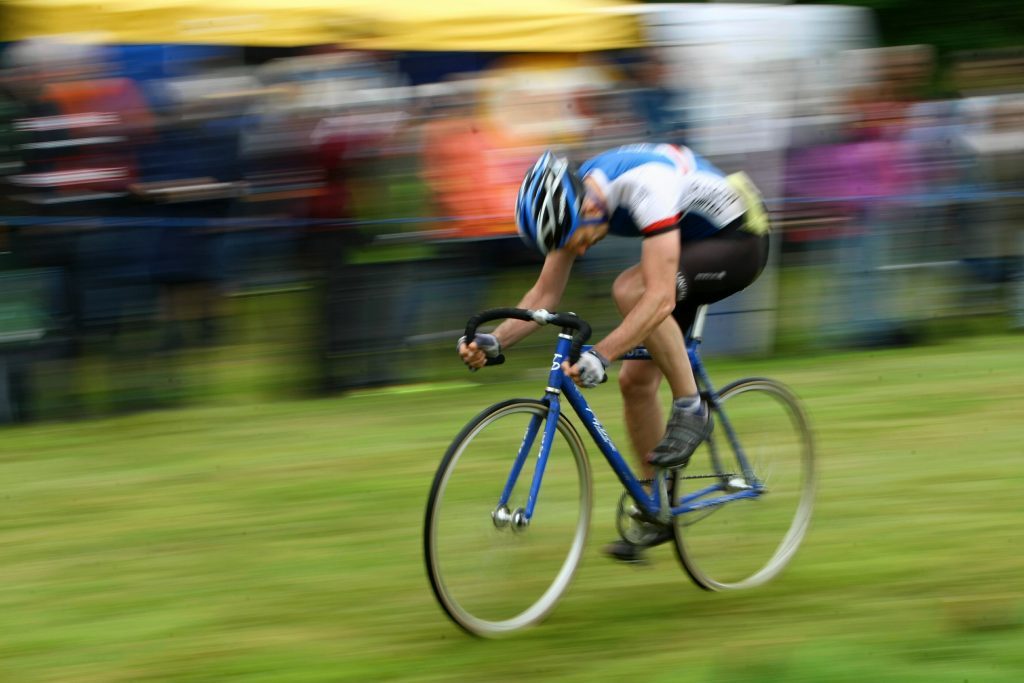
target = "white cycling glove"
x: 592, y: 367
x: 487, y: 343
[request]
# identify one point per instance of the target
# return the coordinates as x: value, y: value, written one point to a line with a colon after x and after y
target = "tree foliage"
x: 949, y: 25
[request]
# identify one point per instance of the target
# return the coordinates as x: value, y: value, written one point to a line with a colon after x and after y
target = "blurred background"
x: 230, y: 207
x: 235, y: 200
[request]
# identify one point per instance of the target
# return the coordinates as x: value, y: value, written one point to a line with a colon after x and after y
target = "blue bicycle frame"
x: 655, y: 504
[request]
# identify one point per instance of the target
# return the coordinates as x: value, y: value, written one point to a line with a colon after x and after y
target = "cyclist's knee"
x: 637, y: 381
x: 627, y: 289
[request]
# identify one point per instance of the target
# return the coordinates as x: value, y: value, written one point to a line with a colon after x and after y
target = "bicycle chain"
x: 693, y: 476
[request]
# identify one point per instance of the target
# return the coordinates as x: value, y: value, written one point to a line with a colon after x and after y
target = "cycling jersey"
x: 651, y: 188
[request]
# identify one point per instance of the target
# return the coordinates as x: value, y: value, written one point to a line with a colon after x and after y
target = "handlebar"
x: 566, y: 320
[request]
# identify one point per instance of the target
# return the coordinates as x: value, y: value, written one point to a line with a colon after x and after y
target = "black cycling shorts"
x: 713, y: 268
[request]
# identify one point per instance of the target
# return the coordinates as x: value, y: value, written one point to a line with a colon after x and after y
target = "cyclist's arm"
x: 546, y: 293
x: 659, y: 264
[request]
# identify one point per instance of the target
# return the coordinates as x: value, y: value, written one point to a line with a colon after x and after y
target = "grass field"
x: 282, y: 542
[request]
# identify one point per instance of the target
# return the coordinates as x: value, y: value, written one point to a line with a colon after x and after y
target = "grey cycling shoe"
x: 633, y: 553
x: 686, y: 430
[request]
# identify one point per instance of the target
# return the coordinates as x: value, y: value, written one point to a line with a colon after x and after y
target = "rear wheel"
x: 492, y: 570
x: 747, y: 542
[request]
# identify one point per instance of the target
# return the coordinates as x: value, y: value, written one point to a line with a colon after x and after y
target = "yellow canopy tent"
x: 274, y: 23
x: 516, y: 26
x: 450, y: 25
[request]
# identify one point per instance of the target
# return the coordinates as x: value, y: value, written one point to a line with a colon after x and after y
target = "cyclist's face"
x: 594, y: 221
x: 585, y: 237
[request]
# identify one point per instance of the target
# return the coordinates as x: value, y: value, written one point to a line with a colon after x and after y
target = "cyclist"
x: 705, y: 236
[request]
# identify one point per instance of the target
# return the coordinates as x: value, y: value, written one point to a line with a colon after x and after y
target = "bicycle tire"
x: 717, y: 546
x: 504, y: 594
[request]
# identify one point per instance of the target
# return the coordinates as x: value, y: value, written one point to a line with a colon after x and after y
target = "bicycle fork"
x: 519, y: 519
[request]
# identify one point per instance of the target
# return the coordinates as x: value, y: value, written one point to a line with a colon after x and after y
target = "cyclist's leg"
x: 638, y: 382
x: 709, y: 270
x: 714, y: 268
x: 740, y: 264
x: 665, y: 343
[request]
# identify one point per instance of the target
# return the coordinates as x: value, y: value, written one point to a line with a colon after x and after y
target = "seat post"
x: 697, y: 331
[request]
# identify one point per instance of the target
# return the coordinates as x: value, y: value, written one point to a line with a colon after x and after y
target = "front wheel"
x: 747, y: 541
x: 493, y: 570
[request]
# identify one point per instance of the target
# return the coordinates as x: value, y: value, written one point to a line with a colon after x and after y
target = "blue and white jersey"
x: 652, y: 188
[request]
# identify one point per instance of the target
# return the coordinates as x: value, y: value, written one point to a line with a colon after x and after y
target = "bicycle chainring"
x: 632, y: 524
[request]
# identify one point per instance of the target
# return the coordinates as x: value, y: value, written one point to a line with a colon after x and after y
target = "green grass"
x: 282, y: 542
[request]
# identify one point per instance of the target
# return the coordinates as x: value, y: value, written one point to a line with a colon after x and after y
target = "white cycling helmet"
x: 549, y: 203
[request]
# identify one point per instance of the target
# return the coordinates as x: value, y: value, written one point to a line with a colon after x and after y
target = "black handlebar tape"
x: 579, y: 338
x: 495, y: 314
x: 565, y: 320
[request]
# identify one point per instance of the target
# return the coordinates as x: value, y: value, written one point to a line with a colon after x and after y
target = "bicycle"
x: 494, y: 534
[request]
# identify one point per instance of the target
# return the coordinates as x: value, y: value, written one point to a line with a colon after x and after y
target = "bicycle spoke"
x: 746, y: 542
x: 494, y: 575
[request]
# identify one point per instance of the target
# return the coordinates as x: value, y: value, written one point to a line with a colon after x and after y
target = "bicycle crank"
x: 633, y: 524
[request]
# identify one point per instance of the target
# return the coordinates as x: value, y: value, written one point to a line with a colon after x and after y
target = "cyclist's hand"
x: 589, y: 371
x: 475, y: 353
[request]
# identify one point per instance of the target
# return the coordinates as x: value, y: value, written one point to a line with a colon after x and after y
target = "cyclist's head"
x: 549, y: 203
